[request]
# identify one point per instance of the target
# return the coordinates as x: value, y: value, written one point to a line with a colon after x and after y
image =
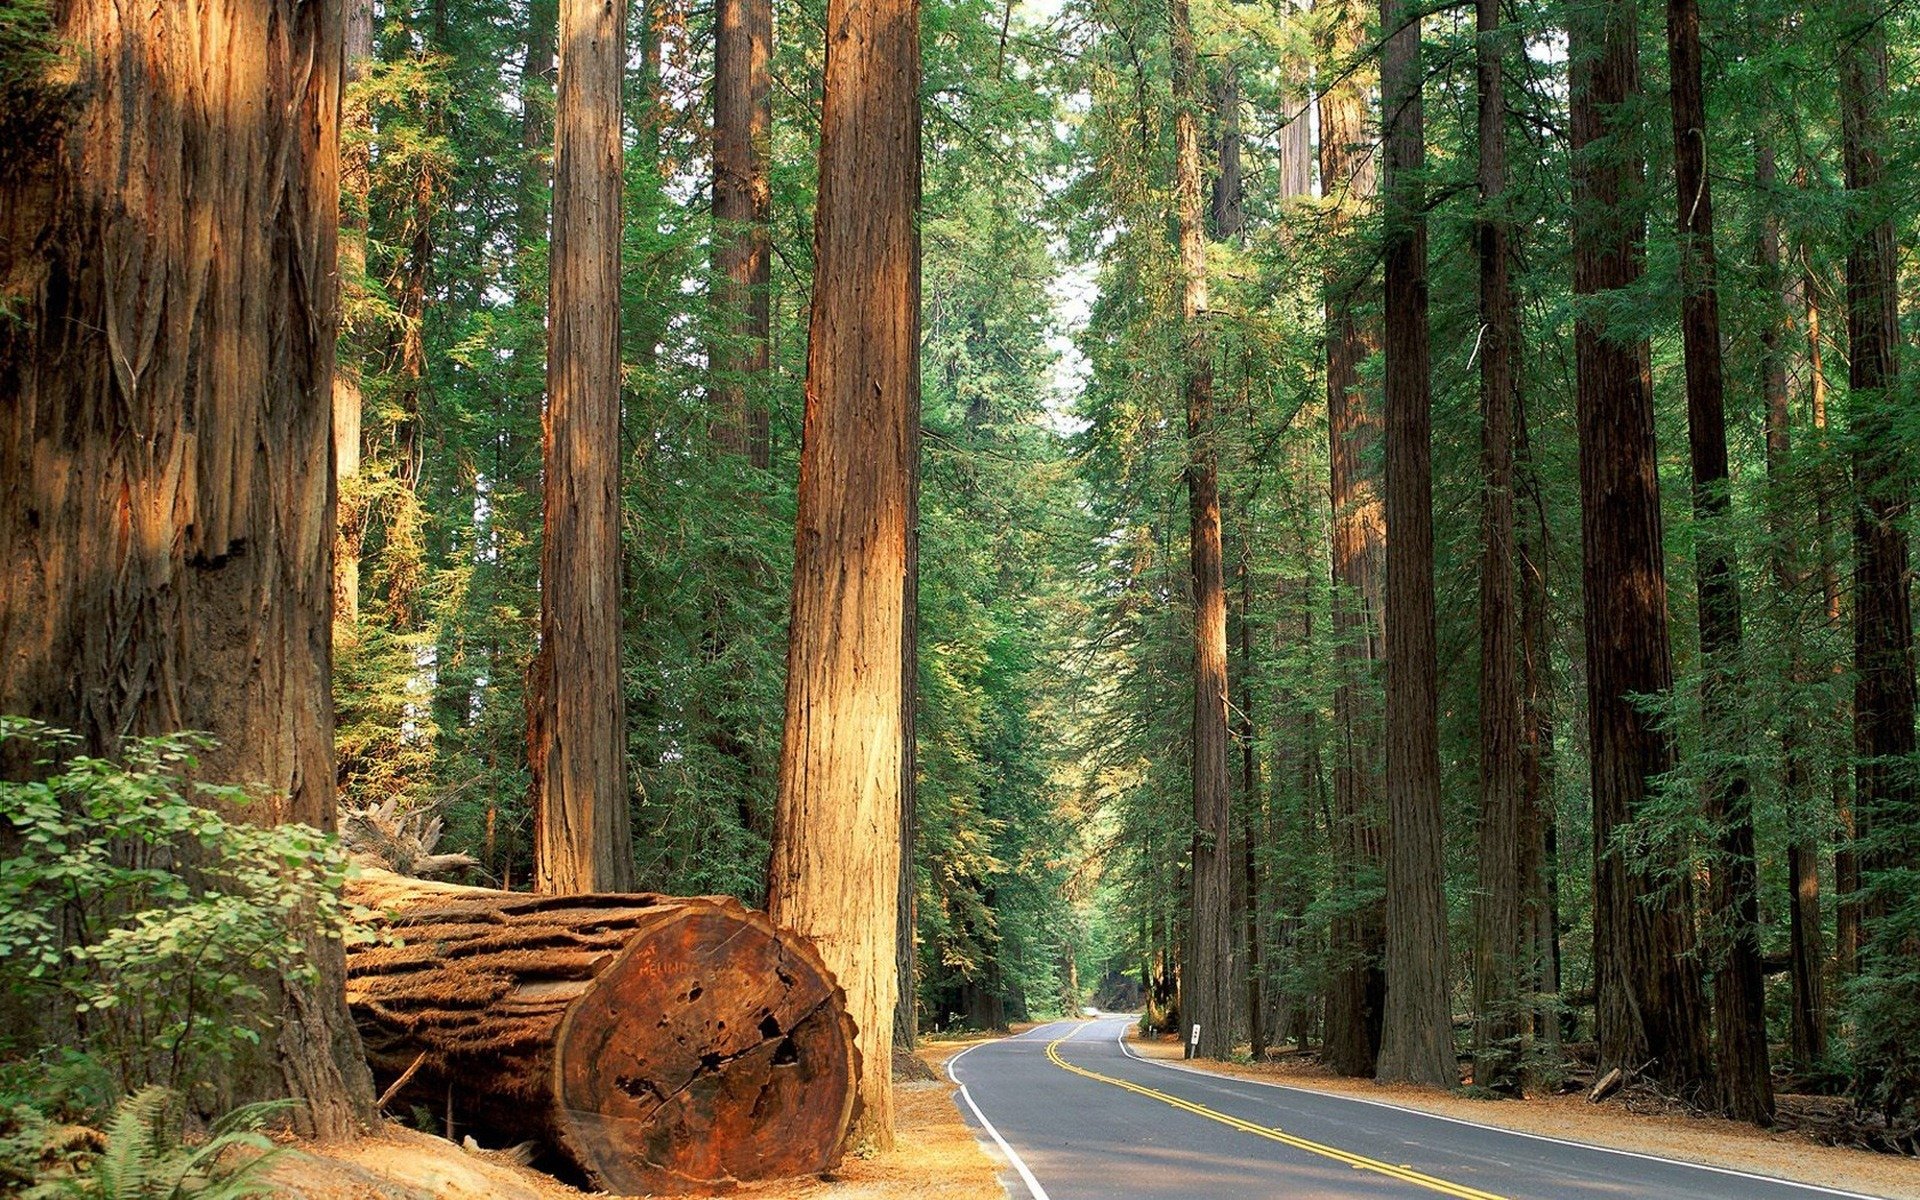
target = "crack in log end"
x: 640, y: 1089
x: 770, y: 1027
x: 786, y: 1054
x: 710, y: 1062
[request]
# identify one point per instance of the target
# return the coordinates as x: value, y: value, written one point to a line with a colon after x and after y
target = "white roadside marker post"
x: 1193, y: 1041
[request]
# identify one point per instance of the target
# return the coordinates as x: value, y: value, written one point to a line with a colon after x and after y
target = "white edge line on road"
x: 1019, y: 1165
x: 1535, y: 1137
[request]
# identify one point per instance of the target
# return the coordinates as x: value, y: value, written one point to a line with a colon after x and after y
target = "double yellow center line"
x: 1357, y: 1161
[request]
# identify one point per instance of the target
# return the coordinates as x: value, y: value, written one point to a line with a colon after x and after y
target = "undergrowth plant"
x: 147, y: 1155
x: 147, y: 925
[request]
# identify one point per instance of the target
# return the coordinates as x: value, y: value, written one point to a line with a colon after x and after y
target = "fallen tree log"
x: 657, y: 1043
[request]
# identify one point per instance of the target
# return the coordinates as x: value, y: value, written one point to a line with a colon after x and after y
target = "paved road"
x: 1077, y: 1115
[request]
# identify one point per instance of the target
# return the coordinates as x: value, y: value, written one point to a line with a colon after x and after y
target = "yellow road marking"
x: 1358, y: 1162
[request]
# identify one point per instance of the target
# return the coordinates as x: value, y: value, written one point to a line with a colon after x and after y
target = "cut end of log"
x: 690, y: 1069
x: 660, y: 1044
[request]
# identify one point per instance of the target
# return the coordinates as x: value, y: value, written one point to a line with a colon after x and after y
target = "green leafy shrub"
x: 148, y: 1156
x: 147, y: 926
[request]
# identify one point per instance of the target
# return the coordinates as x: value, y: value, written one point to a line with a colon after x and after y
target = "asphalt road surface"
x: 1075, y: 1114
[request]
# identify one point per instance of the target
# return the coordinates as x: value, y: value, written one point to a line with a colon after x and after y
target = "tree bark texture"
x: 1356, y: 992
x: 166, y: 483
x: 836, y: 848
x: 1739, y: 994
x: 658, y: 1043
x: 1497, y: 958
x: 742, y: 203
x: 1206, y: 997
x: 576, y: 736
x: 1650, y: 1012
x: 1416, y: 1044
x: 1883, y: 691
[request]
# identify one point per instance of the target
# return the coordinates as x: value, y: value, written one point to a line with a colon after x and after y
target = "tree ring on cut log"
x: 713, y: 1102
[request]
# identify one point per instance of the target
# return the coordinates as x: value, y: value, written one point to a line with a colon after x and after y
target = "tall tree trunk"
x: 1356, y: 991
x: 1649, y: 1008
x: 742, y: 204
x: 1206, y: 996
x: 1883, y: 690
x: 906, y: 1014
x: 836, y: 843
x: 1228, y: 212
x: 1739, y: 995
x: 1497, y: 958
x: 577, y: 739
x: 1846, y: 863
x: 1539, y: 860
x: 1296, y: 135
x: 1806, y: 953
x: 1417, y: 1041
x: 166, y: 497
x: 1252, y: 927
x: 347, y: 398
x: 738, y: 354
x: 538, y: 72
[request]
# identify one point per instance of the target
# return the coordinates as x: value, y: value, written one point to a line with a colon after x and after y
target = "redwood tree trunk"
x: 1883, y: 690
x: 1206, y: 997
x: 1356, y: 991
x: 1649, y: 1008
x: 1739, y: 996
x: 1417, y: 1039
x: 1805, y: 945
x: 742, y: 202
x: 1539, y: 860
x: 166, y: 491
x: 836, y: 843
x: 577, y: 737
x: 1503, y: 845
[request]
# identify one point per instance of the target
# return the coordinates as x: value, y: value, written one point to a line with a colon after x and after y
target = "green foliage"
x: 148, y: 1156
x: 132, y: 902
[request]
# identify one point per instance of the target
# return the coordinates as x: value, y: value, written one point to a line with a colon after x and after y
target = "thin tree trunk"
x: 1539, y: 861
x: 1739, y: 995
x: 1883, y: 690
x: 1228, y: 212
x: 1806, y: 952
x: 742, y: 204
x: 1846, y: 864
x: 1650, y: 1012
x: 166, y: 502
x: 1497, y: 913
x: 1296, y: 135
x: 906, y: 1017
x: 577, y: 741
x: 1417, y: 1041
x: 836, y: 846
x: 1206, y: 994
x: 347, y: 398
x: 1356, y: 990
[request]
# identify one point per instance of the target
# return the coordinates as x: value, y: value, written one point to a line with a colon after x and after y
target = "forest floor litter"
x: 1712, y: 1141
x: 935, y: 1157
